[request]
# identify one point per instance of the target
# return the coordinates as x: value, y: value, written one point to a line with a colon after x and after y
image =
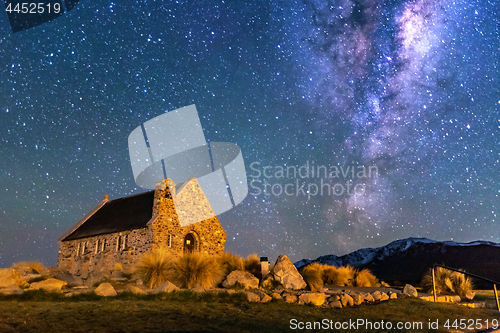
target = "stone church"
x: 177, y: 218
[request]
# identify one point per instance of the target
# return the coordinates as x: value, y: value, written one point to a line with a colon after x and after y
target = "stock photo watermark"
x: 310, y: 179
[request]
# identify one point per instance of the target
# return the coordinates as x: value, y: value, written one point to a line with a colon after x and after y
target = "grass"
x: 155, y: 267
x: 30, y: 265
x: 345, y: 276
x: 313, y: 275
x: 448, y: 282
x: 207, y: 312
x: 197, y: 269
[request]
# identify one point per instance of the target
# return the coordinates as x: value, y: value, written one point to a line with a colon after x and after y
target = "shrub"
x: 345, y: 276
x: 229, y: 262
x: 29, y: 266
x: 313, y: 275
x: 196, y: 269
x: 447, y: 282
x: 252, y: 265
x: 365, y: 278
x: 330, y: 275
x: 156, y: 267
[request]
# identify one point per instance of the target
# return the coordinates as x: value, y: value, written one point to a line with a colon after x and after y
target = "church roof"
x: 117, y: 215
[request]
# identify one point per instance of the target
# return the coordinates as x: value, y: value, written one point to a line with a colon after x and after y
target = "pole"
x: 434, y: 284
x: 496, y: 296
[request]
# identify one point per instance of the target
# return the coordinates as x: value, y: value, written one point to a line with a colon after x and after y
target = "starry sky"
x: 411, y: 87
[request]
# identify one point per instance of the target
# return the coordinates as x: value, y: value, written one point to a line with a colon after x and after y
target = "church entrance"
x: 189, y: 243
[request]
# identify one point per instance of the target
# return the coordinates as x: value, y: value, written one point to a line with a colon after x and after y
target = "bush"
x: 229, y: 262
x: 252, y: 265
x: 365, y: 278
x: 447, y: 282
x: 156, y: 267
x: 196, y: 269
x: 313, y: 275
x: 28, y: 267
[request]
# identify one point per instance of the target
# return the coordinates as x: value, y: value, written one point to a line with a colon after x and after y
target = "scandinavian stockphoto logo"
x: 173, y: 146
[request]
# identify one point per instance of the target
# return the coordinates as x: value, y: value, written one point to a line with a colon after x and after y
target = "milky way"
x: 411, y: 87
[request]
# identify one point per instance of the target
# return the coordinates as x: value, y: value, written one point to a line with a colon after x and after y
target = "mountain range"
x: 407, y: 260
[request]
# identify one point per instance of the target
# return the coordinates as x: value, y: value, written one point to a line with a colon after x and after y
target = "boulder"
x: 346, y: 300
x: 376, y: 295
x: 105, y: 289
x: 247, y: 279
x: 392, y: 295
x: 10, y: 277
x: 314, y: 298
x: 367, y: 297
x: 469, y: 295
x: 252, y: 297
x: 335, y: 304
x: 383, y: 297
x: 63, y: 275
x: 266, y: 299
x: 135, y: 290
x: 267, y: 282
x: 11, y: 290
x: 118, y: 275
x: 166, y: 287
x: 357, y: 298
x: 276, y: 295
x: 286, y: 273
x: 49, y: 285
x: 290, y: 298
x: 410, y: 290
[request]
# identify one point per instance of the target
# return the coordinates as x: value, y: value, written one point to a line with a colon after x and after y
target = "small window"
x: 118, y: 241
x: 169, y: 240
x: 78, y: 250
x: 96, y: 246
x: 103, y: 245
x: 83, y: 247
x: 124, y: 242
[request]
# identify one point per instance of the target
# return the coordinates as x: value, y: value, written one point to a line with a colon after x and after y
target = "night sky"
x: 411, y: 87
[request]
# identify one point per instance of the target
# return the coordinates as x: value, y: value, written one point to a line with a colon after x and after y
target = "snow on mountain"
x: 364, y: 256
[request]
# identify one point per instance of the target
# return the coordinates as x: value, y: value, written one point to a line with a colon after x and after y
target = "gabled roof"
x: 131, y: 212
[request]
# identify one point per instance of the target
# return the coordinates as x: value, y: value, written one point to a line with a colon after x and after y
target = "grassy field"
x: 190, y: 312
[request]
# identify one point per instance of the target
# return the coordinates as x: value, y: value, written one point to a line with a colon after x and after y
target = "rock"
x: 346, y: 300
x: 367, y: 297
x: 63, y: 275
x: 383, y: 297
x: 276, y: 295
x: 469, y: 295
x: 410, y: 290
x: 49, y: 285
x: 290, y: 298
x: 314, y: 298
x: 286, y: 273
x: 252, y: 297
x: 105, y: 289
x: 198, y: 289
x: 266, y: 299
x: 11, y: 290
x: 335, y: 304
x: 384, y: 284
x: 10, y: 277
x: 376, y: 295
x: 357, y: 298
x: 267, y: 282
x: 77, y: 291
x: 118, y: 275
x: 135, y: 290
x: 392, y: 295
x: 247, y: 279
x: 165, y: 287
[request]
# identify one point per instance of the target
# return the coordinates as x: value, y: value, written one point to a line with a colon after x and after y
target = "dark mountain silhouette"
x: 407, y: 260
